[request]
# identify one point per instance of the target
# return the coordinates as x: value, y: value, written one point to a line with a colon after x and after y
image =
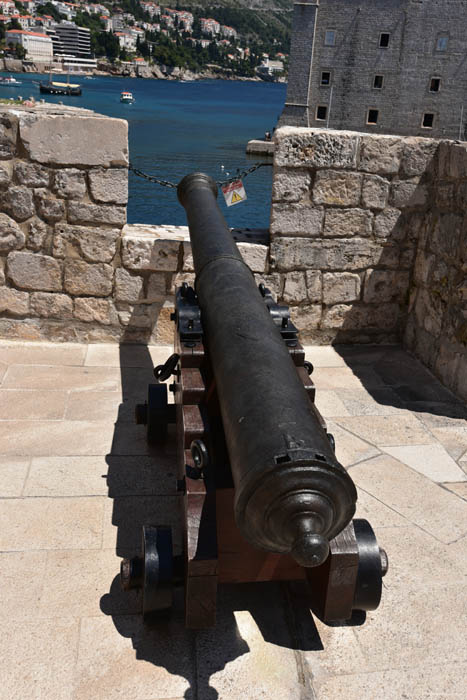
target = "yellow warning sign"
x: 234, y: 192
x: 236, y: 198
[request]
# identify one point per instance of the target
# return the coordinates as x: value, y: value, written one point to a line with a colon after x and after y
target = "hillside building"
x: 38, y: 46
x: 71, y: 40
x: 379, y: 66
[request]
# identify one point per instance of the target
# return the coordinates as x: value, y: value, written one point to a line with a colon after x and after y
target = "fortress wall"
x: 369, y: 242
x: 71, y: 269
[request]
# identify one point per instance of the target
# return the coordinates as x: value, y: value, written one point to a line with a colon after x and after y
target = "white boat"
x: 126, y: 97
x: 10, y: 81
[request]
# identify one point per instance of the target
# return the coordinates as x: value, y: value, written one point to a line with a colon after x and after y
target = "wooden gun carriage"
x: 264, y: 497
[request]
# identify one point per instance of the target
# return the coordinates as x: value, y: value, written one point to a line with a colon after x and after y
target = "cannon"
x: 264, y: 497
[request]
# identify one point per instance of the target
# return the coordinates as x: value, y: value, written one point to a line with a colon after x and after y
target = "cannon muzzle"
x: 291, y: 493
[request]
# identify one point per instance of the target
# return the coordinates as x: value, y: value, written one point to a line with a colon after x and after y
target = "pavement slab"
x: 78, y: 480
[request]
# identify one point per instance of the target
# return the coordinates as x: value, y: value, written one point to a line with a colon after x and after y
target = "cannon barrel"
x: 291, y: 493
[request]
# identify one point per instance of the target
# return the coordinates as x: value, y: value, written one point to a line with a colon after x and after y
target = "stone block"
x: 85, y: 278
x: 447, y: 237
x: 375, y: 192
x: 18, y: 202
x: 340, y: 287
x: 417, y: 156
x: 69, y: 183
x: 452, y: 159
x: 407, y: 193
x: 34, y: 271
x: 295, y: 291
x: 109, y: 185
x: 8, y: 136
x: 37, y: 234
x: 315, y: 148
x: 389, y: 225
x: 156, y: 290
x: 31, y: 174
x: 51, y: 305
x: 254, y: 255
x: 290, y: 185
x: 93, y: 244
x: 5, y: 177
x: 11, y: 236
x: 446, y: 195
x: 78, y: 140
x: 382, y: 286
x: 306, y: 318
x: 347, y: 222
x: 187, y: 265
x: 380, y: 154
x: 429, y: 312
x: 337, y: 188
x: 361, y: 317
x: 273, y: 282
x: 128, y: 288
x: 139, y: 316
x: 14, y: 302
x: 92, y: 310
x: 49, y: 208
x: 314, y: 285
x: 343, y: 254
x: 147, y: 252
x: 296, y: 220
x: 79, y: 213
x: 179, y: 279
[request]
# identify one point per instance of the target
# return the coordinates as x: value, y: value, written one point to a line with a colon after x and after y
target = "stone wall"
x: 369, y: 242
x: 436, y: 330
x: 70, y: 266
x: 367, y: 239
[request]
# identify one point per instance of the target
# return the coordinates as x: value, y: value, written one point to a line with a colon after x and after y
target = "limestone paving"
x: 77, y: 480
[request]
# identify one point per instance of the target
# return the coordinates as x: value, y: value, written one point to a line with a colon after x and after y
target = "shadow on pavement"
x: 142, y: 483
x: 395, y: 378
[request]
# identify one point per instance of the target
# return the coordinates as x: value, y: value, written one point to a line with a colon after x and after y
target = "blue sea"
x: 176, y: 128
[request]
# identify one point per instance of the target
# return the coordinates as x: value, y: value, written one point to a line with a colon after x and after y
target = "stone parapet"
x: 369, y: 240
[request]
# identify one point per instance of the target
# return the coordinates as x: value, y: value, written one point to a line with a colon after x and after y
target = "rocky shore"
x: 156, y: 72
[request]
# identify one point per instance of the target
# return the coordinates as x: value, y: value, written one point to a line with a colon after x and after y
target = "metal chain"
x: 240, y: 175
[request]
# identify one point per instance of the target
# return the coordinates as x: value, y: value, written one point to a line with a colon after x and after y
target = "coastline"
x: 155, y: 72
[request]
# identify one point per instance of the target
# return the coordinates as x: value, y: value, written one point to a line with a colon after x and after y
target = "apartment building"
x: 379, y: 66
x: 38, y: 46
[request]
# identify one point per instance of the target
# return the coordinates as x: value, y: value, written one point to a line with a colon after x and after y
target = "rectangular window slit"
x: 372, y: 116
x: 428, y: 120
x: 442, y: 43
x: 384, y: 40
x: 325, y: 78
x: 330, y: 37
x: 378, y: 82
x: 434, y: 84
x: 321, y: 113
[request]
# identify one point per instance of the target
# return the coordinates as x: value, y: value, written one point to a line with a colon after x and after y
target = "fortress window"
x: 434, y: 84
x: 372, y: 116
x: 427, y: 122
x: 321, y: 113
x: 325, y: 77
x: 442, y: 43
x: 330, y: 38
x: 384, y: 40
x: 378, y: 82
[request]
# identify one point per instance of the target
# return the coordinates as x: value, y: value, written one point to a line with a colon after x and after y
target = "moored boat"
x: 10, y: 81
x: 54, y: 87
x: 126, y: 97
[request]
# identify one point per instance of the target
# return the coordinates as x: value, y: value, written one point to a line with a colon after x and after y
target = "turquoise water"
x: 176, y: 128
